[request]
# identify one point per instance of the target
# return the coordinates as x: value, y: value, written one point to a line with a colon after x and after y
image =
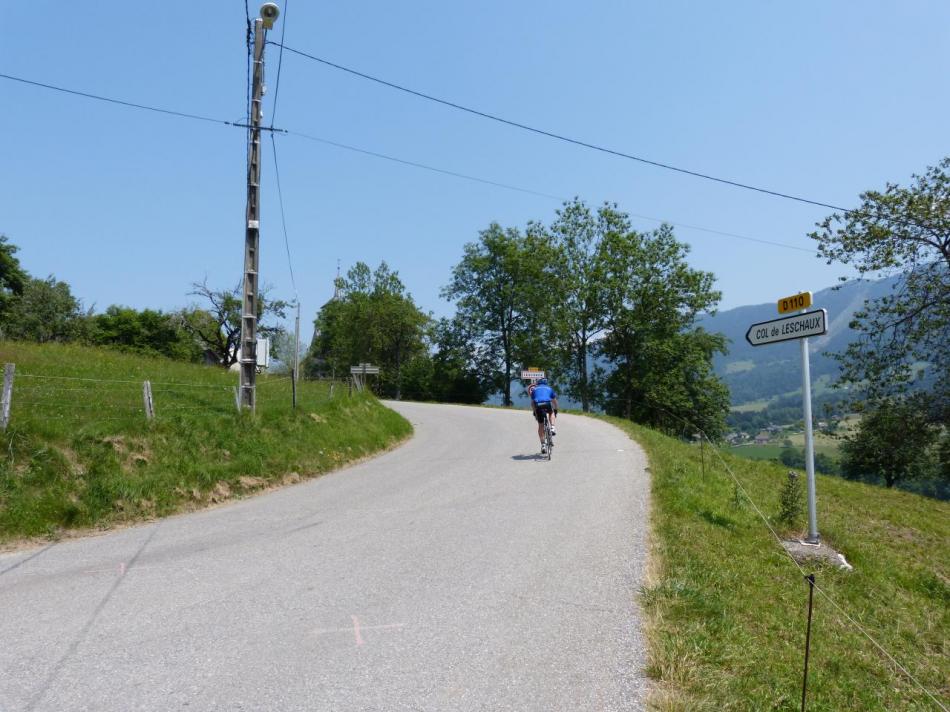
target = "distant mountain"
x: 756, y: 373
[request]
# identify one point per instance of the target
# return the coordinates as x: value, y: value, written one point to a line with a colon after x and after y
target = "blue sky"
x: 822, y: 100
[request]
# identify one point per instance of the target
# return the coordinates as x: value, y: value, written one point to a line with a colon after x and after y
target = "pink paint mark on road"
x: 356, y: 630
x: 122, y: 568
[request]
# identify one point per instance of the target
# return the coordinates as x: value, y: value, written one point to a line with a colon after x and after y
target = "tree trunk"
x: 628, y: 406
x: 506, y: 388
x: 582, y: 370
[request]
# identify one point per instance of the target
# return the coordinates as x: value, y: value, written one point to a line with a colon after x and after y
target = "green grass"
x: 824, y: 444
x: 726, y: 608
x: 79, y: 453
x: 740, y: 366
x: 752, y: 406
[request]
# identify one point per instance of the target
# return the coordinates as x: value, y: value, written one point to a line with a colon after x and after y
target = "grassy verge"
x: 726, y: 608
x: 79, y: 452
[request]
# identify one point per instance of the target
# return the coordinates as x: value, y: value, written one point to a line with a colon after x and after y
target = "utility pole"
x: 296, y: 353
x: 248, y: 389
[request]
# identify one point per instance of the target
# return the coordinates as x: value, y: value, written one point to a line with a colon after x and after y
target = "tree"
x: 45, y: 311
x: 13, y: 277
x: 894, y: 442
x: 904, y: 231
x: 501, y: 290
x: 374, y: 320
x: 662, y: 364
x: 577, y: 237
x: 148, y: 332
x: 217, y: 327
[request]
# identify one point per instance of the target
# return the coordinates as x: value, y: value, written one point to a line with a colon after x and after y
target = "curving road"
x: 457, y: 572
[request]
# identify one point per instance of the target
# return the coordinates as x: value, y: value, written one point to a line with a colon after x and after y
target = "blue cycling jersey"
x: 543, y: 394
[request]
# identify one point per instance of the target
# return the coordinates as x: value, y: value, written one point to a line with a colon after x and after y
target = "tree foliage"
x: 502, y: 289
x: 578, y: 240
x: 902, y: 230
x: 894, y: 442
x: 147, y: 332
x: 44, y: 311
x: 216, y: 324
x: 662, y: 364
x: 13, y: 277
x: 374, y: 320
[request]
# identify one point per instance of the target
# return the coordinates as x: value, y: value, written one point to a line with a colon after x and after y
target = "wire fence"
x: 82, y: 401
x: 688, y: 431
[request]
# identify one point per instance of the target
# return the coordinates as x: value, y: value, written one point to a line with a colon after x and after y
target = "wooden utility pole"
x: 249, y: 306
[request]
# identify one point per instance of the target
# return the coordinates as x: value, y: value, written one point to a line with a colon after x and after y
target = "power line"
x: 280, y: 61
x: 283, y: 219
x: 133, y: 105
x: 560, y: 137
x: 386, y: 157
x: 423, y: 166
x: 529, y: 191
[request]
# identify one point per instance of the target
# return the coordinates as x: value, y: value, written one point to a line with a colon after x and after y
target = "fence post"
x: 702, y: 452
x: 331, y: 390
x: 293, y: 385
x: 147, y: 399
x: 7, y: 395
x: 811, y: 590
x: 237, y: 398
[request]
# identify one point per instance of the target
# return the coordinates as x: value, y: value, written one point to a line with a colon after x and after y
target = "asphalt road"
x: 457, y: 572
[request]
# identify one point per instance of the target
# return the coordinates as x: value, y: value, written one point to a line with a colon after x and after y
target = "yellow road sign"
x: 796, y: 302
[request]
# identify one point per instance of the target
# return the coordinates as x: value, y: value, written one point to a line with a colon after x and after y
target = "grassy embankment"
x: 726, y: 608
x: 80, y: 453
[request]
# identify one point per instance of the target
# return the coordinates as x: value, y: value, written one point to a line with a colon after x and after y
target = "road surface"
x: 457, y: 572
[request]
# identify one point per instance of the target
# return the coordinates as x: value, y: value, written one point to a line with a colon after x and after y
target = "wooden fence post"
x: 147, y: 399
x: 7, y: 395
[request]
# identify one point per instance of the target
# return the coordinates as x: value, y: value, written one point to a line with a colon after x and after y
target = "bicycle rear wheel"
x: 548, y: 437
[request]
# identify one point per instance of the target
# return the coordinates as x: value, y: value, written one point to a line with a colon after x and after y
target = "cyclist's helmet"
x: 543, y: 382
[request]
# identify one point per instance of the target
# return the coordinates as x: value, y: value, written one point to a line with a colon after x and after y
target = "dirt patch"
x: 802, y: 553
x: 221, y: 492
x: 251, y: 482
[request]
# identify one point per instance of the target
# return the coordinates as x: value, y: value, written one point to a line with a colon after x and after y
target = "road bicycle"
x: 548, y: 438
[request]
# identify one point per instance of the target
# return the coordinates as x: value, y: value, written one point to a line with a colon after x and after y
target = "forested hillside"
x: 766, y: 372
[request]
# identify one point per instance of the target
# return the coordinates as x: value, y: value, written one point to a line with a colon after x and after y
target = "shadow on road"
x: 534, y: 456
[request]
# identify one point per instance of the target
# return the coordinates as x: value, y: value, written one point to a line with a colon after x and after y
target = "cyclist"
x: 544, y: 400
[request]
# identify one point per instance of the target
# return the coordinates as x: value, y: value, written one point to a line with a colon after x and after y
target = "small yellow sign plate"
x: 794, y: 303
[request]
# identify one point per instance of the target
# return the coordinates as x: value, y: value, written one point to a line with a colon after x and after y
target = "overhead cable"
x: 133, y: 105
x: 529, y: 191
x: 386, y: 157
x: 283, y: 219
x: 560, y: 137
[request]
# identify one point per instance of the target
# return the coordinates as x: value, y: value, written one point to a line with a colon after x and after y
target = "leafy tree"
x: 577, y: 237
x: 502, y: 290
x: 217, y: 326
x: 374, y: 320
x: 894, y: 442
x: 147, y: 331
x: 459, y: 364
x: 662, y: 364
x: 902, y: 230
x: 13, y: 277
x: 46, y: 310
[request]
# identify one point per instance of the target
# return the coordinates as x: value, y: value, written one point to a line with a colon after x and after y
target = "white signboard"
x: 532, y: 375
x: 798, y: 326
x: 365, y: 368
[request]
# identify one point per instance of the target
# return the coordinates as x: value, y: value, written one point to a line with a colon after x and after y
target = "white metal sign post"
x: 798, y: 326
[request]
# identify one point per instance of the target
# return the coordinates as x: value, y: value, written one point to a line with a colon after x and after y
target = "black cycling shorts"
x: 541, y: 408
